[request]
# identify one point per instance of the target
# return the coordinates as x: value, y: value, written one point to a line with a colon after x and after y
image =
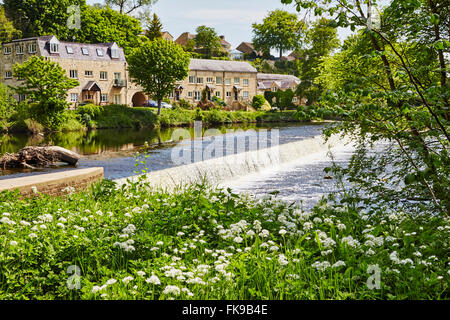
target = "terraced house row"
x: 101, y: 70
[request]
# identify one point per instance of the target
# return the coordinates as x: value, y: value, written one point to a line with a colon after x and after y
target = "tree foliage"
x: 280, y: 30
x: 207, y: 40
x: 106, y: 25
x: 7, y: 30
x: 98, y: 24
x: 7, y: 104
x: 154, y: 28
x: 321, y: 40
x: 45, y: 84
x: 156, y: 66
x: 389, y: 84
x: 42, y: 17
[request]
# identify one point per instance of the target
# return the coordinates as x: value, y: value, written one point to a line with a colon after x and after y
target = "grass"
x: 202, y: 243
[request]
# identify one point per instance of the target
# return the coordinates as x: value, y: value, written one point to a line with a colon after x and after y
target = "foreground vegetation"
x: 133, y: 243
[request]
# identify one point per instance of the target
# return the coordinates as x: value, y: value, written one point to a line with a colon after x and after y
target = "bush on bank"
x: 135, y: 243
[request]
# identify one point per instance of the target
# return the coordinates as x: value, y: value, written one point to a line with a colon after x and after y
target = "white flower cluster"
x: 127, y: 245
x: 349, y: 241
x: 394, y: 258
x: 321, y: 266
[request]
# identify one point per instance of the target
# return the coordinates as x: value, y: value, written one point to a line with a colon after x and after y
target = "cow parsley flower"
x: 172, y: 290
x: 126, y: 280
x: 153, y: 280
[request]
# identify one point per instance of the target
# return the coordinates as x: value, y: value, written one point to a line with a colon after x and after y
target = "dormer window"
x: 54, y: 48
x: 69, y: 50
x: 115, y: 53
x: 32, y: 48
x: 100, y: 52
x: 19, y: 49
x: 85, y: 51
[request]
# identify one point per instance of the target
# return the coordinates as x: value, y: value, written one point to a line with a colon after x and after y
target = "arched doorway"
x: 138, y: 99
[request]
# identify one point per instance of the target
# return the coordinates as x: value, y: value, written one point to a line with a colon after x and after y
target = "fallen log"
x: 38, y: 157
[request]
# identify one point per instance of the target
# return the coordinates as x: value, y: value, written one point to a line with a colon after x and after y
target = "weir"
x: 217, y: 170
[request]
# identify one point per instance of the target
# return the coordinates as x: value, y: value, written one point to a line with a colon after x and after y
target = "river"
x: 115, y: 151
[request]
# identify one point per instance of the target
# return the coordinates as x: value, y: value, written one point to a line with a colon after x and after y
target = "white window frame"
x: 100, y: 52
x: 54, y: 48
x: 7, y: 50
x: 104, y: 97
x: 21, y: 97
x: 69, y: 50
x: 229, y: 95
x: 245, y: 94
x: 199, y: 80
x: 197, y: 95
x: 237, y: 80
x: 32, y: 47
x: 219, y: 80
x: 192, y: 79
x: 115, y: 53
x: 228, y: 81
x: 74, y: 97
x: 105, y: 74
x: 218, y: 94
x: 209, y: 80
x: 88, y: 73
x: 245, y: 82
x: 19, y: 46
x: 190, y: 94
x: 117, y: 99
x: 85, y: 51
x: 73, y: 74
x: 8, y: 74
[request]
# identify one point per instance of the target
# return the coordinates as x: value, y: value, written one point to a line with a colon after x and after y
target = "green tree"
x: 7, y: 30
x: 156, y: 66
x: 393, y: 88
x: 42, y: 17
x: 102, y: 25
x: 45, y: 84
x: 321, y: 40
x: 280, y: 30
x: 129, y: 6
x: 7, y: 104
x: 207, y: 40
x: 154, y: 28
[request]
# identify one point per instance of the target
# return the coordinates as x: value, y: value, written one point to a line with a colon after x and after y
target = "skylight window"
x: 69, y: 50
x: 85, y: 51
x: 100, y: 52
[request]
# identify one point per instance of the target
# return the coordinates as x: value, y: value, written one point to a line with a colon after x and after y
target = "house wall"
x: 222, y: 88
x: 123, y: 93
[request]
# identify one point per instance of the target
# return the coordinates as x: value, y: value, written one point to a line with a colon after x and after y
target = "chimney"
x: 222, y: 37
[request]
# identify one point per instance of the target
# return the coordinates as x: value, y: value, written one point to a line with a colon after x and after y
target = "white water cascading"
x: 217, y: 170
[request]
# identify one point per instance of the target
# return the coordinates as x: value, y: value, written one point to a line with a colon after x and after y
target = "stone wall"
x: 54, y: 184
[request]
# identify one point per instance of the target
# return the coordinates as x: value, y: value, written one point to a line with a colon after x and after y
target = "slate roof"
x: 221, y: 66
x: 43, y: 43
x: 266, y: 80
x: 270, y: 76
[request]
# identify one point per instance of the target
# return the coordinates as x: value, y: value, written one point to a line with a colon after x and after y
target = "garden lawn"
x: 136, y: 243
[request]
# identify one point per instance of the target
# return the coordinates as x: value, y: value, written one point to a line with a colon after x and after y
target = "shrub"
x: 258, y: 101
x: 184, y: 104
x: 90, y: 110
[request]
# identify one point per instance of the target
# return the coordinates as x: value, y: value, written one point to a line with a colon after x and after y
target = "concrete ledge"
x: 54, y: 184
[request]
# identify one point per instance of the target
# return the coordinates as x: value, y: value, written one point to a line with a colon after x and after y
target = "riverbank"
x: 200, y: 243
x: 119, y: 116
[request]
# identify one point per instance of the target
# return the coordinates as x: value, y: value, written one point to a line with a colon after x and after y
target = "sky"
x: 231, y: 18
